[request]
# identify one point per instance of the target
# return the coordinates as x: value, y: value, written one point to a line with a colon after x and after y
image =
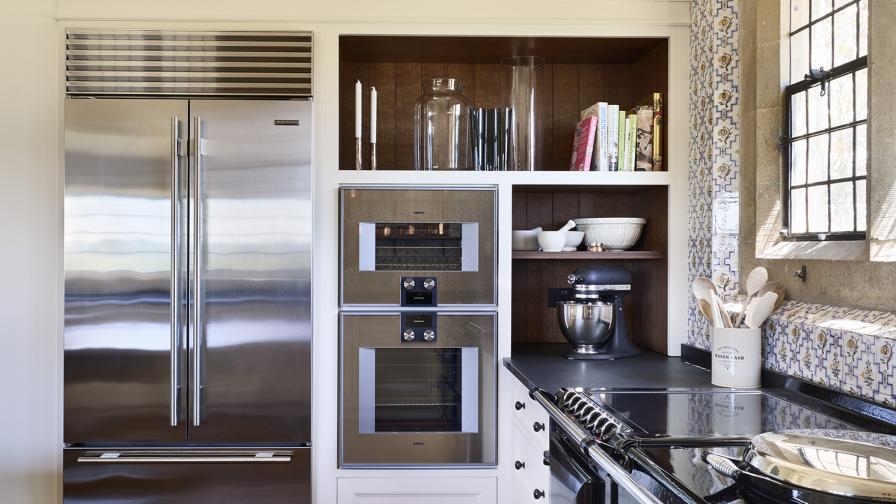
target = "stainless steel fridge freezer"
x: 187, y: 298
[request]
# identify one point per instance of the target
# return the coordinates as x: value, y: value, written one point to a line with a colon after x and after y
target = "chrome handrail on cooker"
x: 580, y: 436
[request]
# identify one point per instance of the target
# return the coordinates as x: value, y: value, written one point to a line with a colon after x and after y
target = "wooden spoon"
x: 705, y: 310
x: 755, y: 281
x: 761, y: 310
x: 777, y: 289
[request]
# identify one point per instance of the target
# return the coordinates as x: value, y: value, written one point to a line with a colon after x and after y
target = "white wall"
x: 30, y: 254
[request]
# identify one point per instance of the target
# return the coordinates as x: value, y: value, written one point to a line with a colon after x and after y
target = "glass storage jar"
x: 442, y: 127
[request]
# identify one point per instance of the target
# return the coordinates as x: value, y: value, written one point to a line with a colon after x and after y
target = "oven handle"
x: 580, y: 436
x: 113, y: 457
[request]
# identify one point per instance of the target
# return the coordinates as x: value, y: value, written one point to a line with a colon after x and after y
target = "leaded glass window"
x: 826, y: 114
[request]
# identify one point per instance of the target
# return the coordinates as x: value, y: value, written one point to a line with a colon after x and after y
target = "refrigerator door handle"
x: 175, y: 270
x: 185, y: 458
x: 197, y: 148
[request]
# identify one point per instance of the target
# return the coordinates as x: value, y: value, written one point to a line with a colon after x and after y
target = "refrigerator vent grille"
x: 179, y: 63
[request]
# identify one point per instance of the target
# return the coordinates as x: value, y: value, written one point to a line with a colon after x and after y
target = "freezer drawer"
x: 222, y: 476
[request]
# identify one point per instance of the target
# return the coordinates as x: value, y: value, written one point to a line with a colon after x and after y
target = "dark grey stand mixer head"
x: 591, y: 314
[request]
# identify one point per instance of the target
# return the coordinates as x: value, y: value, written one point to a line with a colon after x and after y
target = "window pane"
x: 863, y: 27
x: 798, y: 163
x: 798, y: 114
x: 845, y: 31
x: 841, y: 154
x: 841, y: 100
x: 821, y: 44
x: 799, y: 56
x: 799, y: 13
x: 818, y: 109
x: 820, y: 8
x: 840, y: 3
x: 861, y: 150
x: 818, y: 158
x: 862, y: 94
x: 818, y: 209
x: 842, y: 208
x: 860, y: 205
x: 798, y: 211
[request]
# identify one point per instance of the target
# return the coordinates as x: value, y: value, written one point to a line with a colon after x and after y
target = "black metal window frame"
x: 820, y: 79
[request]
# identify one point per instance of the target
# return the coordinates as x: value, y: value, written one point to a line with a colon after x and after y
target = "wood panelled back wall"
x: 532, y: 320
x: 569, y: 87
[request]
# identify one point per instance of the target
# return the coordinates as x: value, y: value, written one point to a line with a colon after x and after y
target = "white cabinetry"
x: 418, y: 491
x: 530, y: 439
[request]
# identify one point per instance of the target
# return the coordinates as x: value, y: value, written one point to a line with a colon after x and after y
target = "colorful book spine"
x: 631, y: 141
x: 644, y: 156
x: 612, y: 137
x: 601, y: 159
x: 620, y: 140
x: 657, y: 131
x: 583, y: 145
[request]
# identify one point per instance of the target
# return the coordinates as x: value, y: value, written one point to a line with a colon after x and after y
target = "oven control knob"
x: 519, y: 465
x: 409, y: 335
x: 538, y: 426
x: 429, y: 335
x: 538, y: 494
x: 408, y: 283
x: 571, y: 279
x: 429, y: 284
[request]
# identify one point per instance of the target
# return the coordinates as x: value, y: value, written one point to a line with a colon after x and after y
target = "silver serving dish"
x: 586, y: 325
x: 809, y: 464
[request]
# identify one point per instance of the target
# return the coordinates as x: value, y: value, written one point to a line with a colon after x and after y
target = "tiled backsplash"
x: 713, y: 178
x: 838, y: 347
x: 842, y: 348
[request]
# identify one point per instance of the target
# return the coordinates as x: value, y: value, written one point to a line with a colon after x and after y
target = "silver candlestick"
x: 358, y: 163
x: 373, y: 155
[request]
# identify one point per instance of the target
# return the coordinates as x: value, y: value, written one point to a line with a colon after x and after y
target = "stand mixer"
x: 591, y: 314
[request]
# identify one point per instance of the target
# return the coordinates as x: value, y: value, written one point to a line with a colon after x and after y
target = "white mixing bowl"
x: 615, y: 233
x: 525, y: 239
x: 552, y: 241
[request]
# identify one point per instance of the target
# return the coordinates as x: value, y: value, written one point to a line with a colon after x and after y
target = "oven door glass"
x: 418, y: 390
x: 418, y: 246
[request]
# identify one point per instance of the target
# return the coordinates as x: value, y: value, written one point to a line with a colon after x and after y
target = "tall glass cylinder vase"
x: 522, y: 80
x: 442, y: 127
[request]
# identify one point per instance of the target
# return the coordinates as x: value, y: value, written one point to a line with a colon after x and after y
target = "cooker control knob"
x: 519, y: 465
x: 519, y: 405
x: 571, y: 279
x: 429, y: 283
x: 538, y: 426
x: 538, y: 494
x: 408, y: 335
x: 429, y: 335
x: 408, y: 283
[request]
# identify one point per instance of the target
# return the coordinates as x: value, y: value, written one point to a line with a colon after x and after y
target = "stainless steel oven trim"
x: 366, y: 307
x: 492, y: 366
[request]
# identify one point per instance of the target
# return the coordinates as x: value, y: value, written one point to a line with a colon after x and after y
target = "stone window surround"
x: 857, y: 274
x: 771, y: 67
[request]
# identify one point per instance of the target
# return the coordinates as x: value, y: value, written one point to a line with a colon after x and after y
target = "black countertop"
x: 544, y: 366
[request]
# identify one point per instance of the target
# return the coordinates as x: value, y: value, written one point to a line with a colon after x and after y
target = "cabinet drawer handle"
x: 538, y: 426
x: 519, y: 465
x: 519, y: 405
x: 538, y: 493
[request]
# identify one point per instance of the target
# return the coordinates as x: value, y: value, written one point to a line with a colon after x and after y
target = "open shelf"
x: 551, y: 206
x: 579, y: 71
x: 582, y: 255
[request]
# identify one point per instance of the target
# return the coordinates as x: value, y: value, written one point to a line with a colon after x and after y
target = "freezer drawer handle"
x: 175, y: 458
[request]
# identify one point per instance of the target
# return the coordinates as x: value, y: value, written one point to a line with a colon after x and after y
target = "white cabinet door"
x: 418, y: 491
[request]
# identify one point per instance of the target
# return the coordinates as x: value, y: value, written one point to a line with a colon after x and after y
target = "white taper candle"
x: 358, y: 109
x: 372, y: 114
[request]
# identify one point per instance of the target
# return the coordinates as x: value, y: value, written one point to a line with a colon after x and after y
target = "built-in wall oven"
x: 418, y: 388
x: 418, y: 246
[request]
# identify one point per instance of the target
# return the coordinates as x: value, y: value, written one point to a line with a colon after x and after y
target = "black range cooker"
x: 652, y: 446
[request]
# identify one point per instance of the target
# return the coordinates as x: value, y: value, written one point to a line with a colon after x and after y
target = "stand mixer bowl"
x: 586, y: 325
